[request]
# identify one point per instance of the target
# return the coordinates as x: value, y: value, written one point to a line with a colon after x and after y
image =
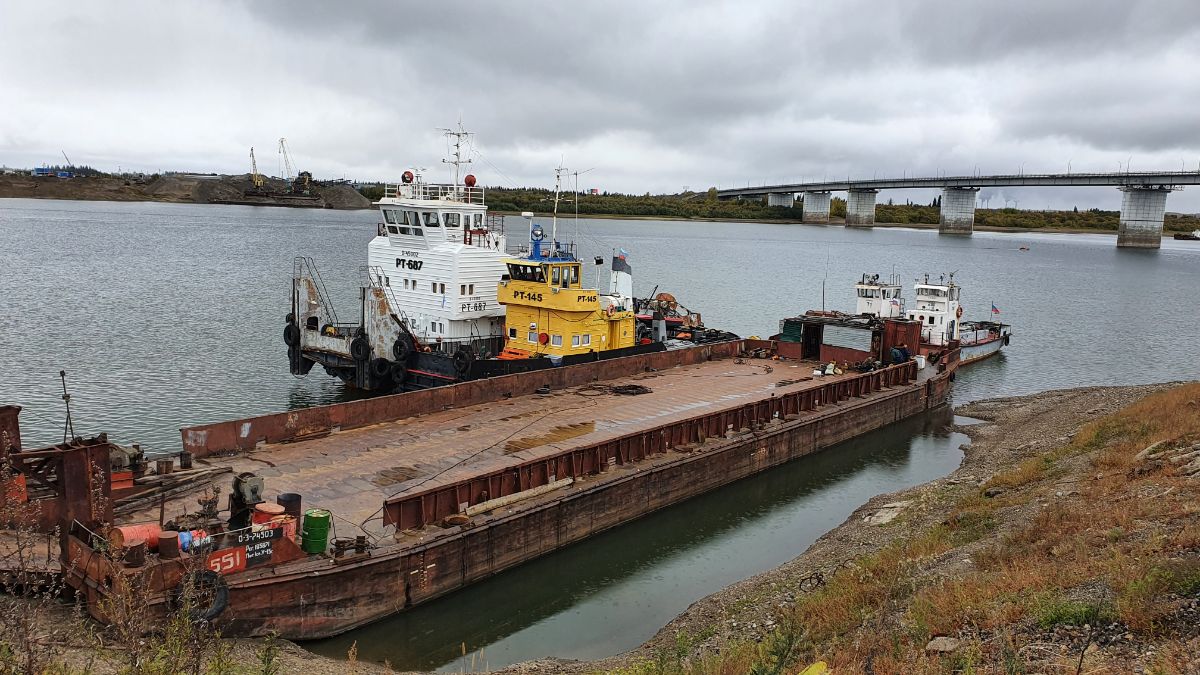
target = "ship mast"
x: 459, y: 135
x: 554, y: 221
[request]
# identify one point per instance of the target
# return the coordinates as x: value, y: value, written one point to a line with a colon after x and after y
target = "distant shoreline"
x: 607, y: 216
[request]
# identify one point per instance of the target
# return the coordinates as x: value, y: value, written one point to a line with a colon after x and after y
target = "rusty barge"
x: 433, y: 490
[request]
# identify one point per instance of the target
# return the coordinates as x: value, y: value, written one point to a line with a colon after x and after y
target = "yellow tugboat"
x: 548, y: 312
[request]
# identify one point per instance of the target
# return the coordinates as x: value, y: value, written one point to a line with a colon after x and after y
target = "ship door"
x: 812, y: 342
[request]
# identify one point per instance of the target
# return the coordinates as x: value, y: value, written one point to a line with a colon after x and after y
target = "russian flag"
x: 995, y: 310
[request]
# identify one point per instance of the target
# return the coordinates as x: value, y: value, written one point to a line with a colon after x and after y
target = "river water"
x: 169, y: 315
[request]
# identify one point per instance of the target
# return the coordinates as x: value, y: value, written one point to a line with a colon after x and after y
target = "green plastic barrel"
x: 315, y: 536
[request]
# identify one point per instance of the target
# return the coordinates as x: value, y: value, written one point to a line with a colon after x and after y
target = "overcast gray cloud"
x: 654, y: 95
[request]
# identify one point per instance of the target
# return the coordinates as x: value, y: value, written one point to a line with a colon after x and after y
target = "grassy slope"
x: 1084, y: 549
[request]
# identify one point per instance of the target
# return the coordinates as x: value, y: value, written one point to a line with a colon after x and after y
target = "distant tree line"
x: 706, y: 205
x: 1091, y: 219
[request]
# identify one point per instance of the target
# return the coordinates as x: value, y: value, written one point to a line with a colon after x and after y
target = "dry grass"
x: 1090, y: 536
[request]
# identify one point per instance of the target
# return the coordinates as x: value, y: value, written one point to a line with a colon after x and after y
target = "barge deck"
x: 351, y: 473
x: 456, y: 484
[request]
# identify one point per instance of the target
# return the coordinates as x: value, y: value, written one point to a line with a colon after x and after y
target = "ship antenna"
x: 554, y: 221
x: 68, y: 426
x: 459, y: 135
x: 576, y: 174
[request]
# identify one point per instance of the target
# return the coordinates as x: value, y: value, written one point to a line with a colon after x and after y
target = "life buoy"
x: 291, y: 334
x: 205, y: 592
x: 958, y: 312
x: 360, y: 349
x: 402, y: 347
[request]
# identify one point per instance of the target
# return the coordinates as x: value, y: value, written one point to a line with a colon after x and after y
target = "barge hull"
x: 317, y: 603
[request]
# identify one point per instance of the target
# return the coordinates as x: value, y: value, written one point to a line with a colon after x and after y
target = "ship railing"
x: 305, y: 266
x: 482, y: 346
x: 435, y: 192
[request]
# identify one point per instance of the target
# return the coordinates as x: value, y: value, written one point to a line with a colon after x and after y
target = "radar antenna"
x: 459, y: 136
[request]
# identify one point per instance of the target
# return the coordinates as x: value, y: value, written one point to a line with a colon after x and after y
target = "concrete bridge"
x: 1143, y: 204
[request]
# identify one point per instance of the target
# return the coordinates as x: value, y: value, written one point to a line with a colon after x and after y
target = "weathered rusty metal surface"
x: 282, y: 427
x: 441, y: 498
x: 10, y: 430
x: 63, y: 480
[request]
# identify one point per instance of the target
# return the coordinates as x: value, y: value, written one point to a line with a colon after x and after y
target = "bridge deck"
x: 1140, y: 179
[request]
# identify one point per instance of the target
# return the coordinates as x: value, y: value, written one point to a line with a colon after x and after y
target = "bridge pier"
x: 958, y: 210
x: 787, y: 199
x: 860, y: 208
x: 1142, y: 211
x: 816, y: 207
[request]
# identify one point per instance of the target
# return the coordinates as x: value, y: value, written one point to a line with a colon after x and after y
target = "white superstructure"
x: 440, y: 257
x: 937, y: 309
x: 884, y: 299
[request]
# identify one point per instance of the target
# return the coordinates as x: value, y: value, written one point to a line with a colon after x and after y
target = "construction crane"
x: 255, y: 176
x: 287, y: 160
x: 299, y: 182
x: 69, y: 164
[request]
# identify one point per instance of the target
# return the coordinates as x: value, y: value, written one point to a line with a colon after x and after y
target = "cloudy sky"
x: 654, y: 95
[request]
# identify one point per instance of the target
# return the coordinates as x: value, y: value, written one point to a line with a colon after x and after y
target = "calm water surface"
x: 170, y: 315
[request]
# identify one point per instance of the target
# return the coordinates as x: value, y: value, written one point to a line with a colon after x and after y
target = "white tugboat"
x: 940, y: 313
x: 433, y: 271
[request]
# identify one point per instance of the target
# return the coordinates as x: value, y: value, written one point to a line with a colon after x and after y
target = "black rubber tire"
x: 399, y: 374
x: 360, y: 349
x: 290, y: 318
x: 462, y: 360
x: 291, y: 335
x: 402, y: 347
x: 1006, y: 340
x: 206, y: 582
x: 381, y: 368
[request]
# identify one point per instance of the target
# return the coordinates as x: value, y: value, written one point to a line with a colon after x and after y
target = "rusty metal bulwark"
x: 424, y: 507
x: 245, y: 434
x: 10, y: 430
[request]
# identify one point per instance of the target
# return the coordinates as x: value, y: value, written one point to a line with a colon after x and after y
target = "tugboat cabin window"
x: 392, y: 229
x: 389, y: 216
x: 587, y: 340
x: 556, y: 340
x: 554, y: 275
x: 512, y: 333
x: 526, y: 273
x: 404, y: 230
x: 478, y: 220
x: 431, y: 219
x: 451, y: 219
